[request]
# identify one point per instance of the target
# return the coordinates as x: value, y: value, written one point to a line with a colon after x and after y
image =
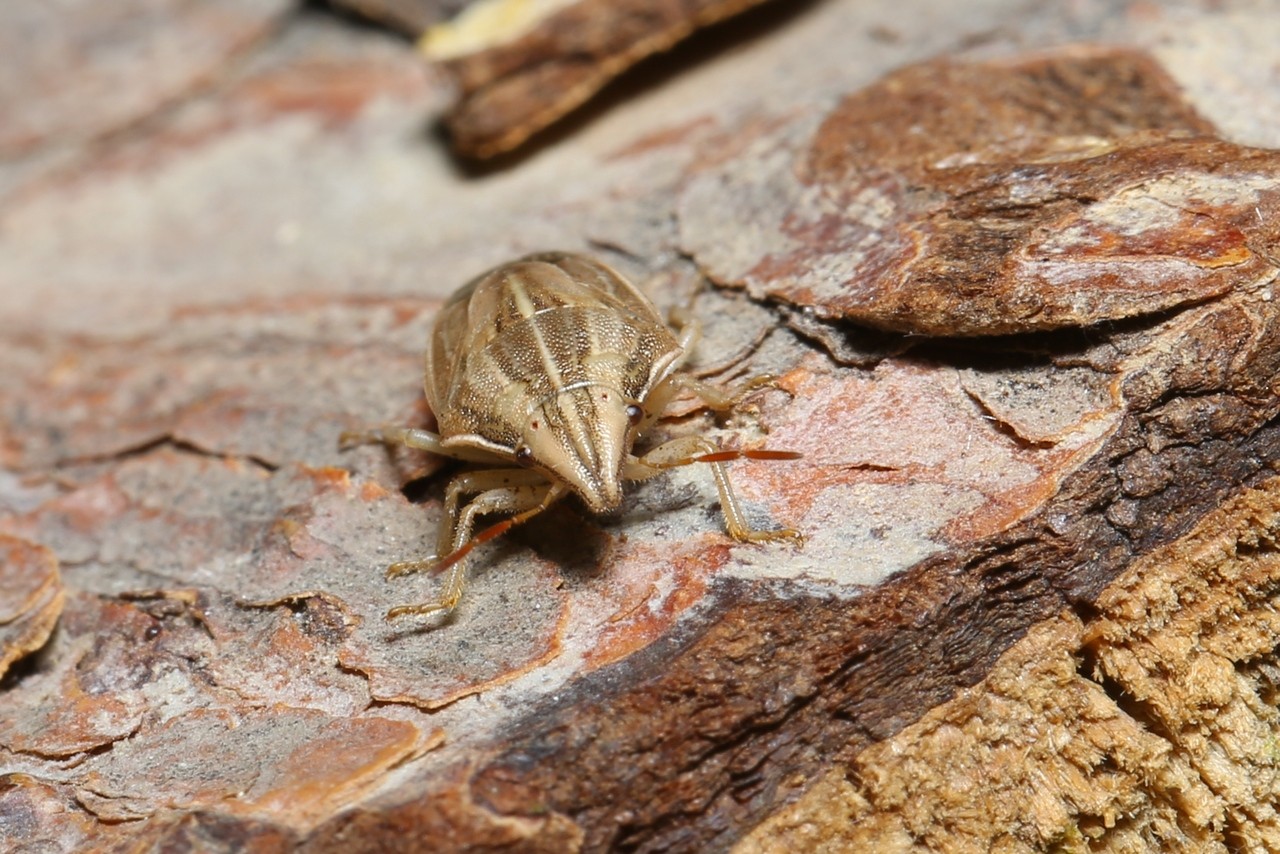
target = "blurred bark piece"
x: 411, y: 17
x: 31, y: 598
x: 81, y: 69
x: 218, y: 380
x: 1034, y: 608
x: 515, y: 81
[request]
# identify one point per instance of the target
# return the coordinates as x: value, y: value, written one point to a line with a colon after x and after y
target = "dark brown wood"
x: 411, y: 17
x: 515, y: 87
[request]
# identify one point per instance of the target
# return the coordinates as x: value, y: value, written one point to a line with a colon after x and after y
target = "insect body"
x: 545, y: 371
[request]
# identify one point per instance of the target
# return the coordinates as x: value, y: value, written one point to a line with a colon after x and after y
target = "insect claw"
x: 796, y: 538
x: 349, y: 439
x: 445, y: 606
x: 408, y: 567
x: 417, y: 610
x: 772, y: 536
x: 752, y: 385
x: 758, y: 381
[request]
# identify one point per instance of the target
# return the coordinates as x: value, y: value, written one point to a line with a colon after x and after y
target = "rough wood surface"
x: 202, y: 287
x: 1147, y: 724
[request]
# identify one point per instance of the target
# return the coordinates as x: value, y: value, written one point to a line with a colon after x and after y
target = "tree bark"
x: 1017, y: 301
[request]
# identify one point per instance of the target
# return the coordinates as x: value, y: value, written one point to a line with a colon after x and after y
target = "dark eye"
x: 524, y: 456
x: 634, y: 414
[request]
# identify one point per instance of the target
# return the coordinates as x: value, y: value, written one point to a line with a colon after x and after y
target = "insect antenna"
x: 759, y: 454
x: 727, y: 456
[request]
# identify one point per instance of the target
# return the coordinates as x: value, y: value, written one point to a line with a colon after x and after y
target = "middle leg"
x: 688, y: 450
x: 522, y: 502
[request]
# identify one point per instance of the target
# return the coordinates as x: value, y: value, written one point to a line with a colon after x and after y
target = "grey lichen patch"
x: 890, y: 527
x: 1041, y: 403
x: 508, y: 624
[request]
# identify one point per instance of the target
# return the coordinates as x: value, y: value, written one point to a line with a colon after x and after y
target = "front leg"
x: 523, y: 502
x: 687, y: 450
x: 412, y: 437
x: 471, y: 483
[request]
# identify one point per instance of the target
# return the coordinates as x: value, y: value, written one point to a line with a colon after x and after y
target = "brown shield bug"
x: 544, y: 372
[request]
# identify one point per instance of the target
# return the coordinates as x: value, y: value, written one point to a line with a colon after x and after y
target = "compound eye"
x: 524, y: 456
x: 634, y: 414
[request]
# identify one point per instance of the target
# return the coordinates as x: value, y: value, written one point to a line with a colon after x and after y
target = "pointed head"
x: 581, y: 436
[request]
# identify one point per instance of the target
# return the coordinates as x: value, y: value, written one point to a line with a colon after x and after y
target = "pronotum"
x: 545, y: 371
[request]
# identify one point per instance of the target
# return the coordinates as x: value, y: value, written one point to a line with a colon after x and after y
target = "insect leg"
x: 716, y: 398
x: 688, y: 332
x: 688, y: 327
x: 687, y: 450
x: 412, y: 437
x: 470, y: 483
x: 523, y: 502
x: 466, y: 483
x: 723, y: 400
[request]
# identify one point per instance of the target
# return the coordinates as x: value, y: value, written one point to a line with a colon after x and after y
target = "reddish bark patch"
x: 988, y: 199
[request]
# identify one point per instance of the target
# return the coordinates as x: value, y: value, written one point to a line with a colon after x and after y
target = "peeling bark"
x: 513, y: 84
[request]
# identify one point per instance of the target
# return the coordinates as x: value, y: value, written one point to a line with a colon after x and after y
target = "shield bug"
x: 543, y: 373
